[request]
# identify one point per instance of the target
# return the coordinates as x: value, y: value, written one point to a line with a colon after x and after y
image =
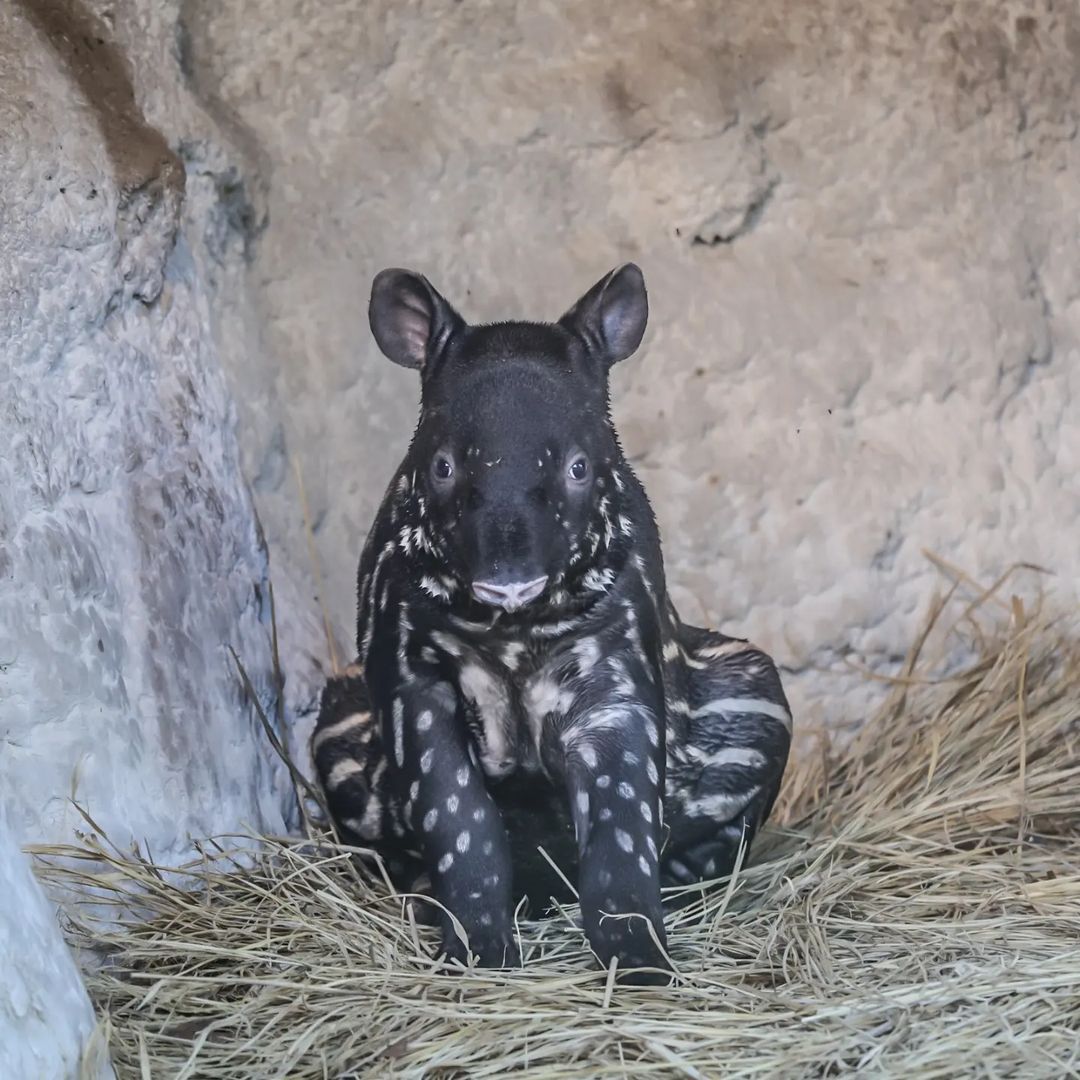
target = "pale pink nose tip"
x: 509, y: 597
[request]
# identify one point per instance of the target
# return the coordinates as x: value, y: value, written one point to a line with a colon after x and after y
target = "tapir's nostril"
x: 510, y: 597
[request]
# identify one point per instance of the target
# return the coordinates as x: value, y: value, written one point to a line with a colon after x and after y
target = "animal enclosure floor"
x: 914, y: 910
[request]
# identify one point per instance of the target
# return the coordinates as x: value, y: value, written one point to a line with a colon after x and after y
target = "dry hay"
x: 917, y: 914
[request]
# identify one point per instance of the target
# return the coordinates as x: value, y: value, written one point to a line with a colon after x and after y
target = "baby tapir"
x: 523, y: 679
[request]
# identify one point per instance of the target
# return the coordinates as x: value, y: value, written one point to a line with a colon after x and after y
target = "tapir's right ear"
x: 410, y: 320
x: 612, y: 315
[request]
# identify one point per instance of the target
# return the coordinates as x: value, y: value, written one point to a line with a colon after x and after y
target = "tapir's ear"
x: 611, y: 316
x: 410, y: 320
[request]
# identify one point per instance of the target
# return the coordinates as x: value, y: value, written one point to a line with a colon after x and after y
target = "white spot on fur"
x: 463, y: 776
x: 646, y: 811
x: 624, y: 840
x: 643, y: 865
x: 452, y: 804
x: 555, y: 629
x: 650, y: 769
x: 721, y: 806
x: 424, y: 720
x: 544, y: 696
x: 463, y: 841
x: 603, y: 781
x: 605, y: 814
x: 399, y: 731
x: 431, y: 818
x: 427, y: 758
x: 479, y: 814
x: 621, y: 677
x: 370, y: 824
x: 447, y: 643
x: 339, y: 728
x: 511, y: 654
x: 369, y: 628
x: 726, y: 648
x: 587, y: 654
x: 583, y: 803
x: 625, y: 790
x: 434, y: 588
x: 490, y: 697
x: 650, y: 843
x: 751, y: 706
x: 446, y: 862
x: 342, y: 771
x: 598, y: 580
x: 732, y: 755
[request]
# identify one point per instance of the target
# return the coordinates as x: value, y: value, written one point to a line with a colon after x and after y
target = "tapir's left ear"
x: 612, y: 315
x: 410, y: 320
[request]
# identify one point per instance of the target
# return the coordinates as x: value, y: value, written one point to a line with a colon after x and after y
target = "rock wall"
x: 858, y: 222
x: 131, y: 557
x: 46, y: 1021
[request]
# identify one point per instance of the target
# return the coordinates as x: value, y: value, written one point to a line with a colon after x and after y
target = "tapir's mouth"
x: 509, y: 596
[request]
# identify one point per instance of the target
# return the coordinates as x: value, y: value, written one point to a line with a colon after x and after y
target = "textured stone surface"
x: 130, y: 554
x: 46, y: 1022
x: 858, y: 222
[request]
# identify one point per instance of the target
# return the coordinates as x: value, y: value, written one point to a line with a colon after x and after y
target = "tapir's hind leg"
x: 728, y: 743
x: 347, y: 749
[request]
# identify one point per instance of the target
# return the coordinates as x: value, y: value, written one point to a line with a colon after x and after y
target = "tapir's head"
x: 514, y: 457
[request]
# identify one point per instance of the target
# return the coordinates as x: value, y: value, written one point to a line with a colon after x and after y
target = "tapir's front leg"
x: 613, y: 764
x: 446, y: 804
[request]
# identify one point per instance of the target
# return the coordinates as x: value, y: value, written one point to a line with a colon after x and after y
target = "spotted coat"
x: 523, y: 680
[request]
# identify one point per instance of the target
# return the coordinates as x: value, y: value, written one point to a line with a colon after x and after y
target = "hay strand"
x: 914, y: 911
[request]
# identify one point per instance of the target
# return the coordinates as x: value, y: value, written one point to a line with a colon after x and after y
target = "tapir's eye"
x: 579, y: 469
x: 442, y: 468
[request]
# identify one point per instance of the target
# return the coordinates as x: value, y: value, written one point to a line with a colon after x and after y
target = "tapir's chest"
x: 518, y: 701
x: 510, y: 708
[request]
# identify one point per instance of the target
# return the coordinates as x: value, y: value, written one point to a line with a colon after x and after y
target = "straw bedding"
x: 914, y: 909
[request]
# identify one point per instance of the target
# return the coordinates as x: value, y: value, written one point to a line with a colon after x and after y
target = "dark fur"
x: 637, y: 750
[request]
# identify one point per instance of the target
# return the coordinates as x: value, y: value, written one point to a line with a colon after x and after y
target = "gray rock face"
x: 46, y: 1022
x: 130, y: 554
x: 858, y: 223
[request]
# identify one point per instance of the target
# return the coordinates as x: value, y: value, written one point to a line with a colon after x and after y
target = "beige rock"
x: 858, y: 223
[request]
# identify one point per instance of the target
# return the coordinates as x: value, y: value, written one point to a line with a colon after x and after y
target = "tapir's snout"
x: 509, y: 596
